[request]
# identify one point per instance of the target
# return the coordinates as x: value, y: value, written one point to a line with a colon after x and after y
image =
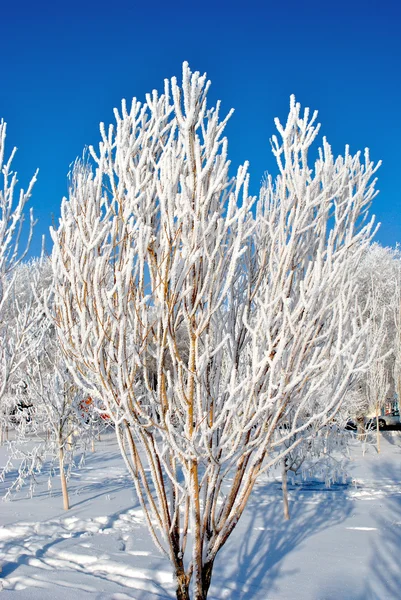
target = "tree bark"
x: 70, y: 435
x: 377, y: 432
x: 197, y: 541
x: 207, y: 571
x: 182, y: 591
x: 201, y: 591
x: 360, y: 424
x: 285, y: 490
x: 64, y: 489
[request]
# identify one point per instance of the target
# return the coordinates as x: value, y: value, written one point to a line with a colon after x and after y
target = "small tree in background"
x: 378, y: 290
x: 321, y: 453
x: 203, y: 327
x: 12, y: 217
x: 42, y: 402
x: 377, y: 377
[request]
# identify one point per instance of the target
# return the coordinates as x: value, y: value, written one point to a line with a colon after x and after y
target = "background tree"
x: 42, y: 402
x: 377, y: 291
x: 157, y: 240
x: 11, y: 255
x: 322, y: 453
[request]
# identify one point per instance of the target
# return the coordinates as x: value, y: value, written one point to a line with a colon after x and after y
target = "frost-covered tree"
x: 11, y: 255
x: 321, y: 453
x: 377, y: 291
x: 22, y: 332
x: 206, y: 320
x: 394, y: 324
x: 377, y: 382
x: 54, y: 416
x: 42, y: 402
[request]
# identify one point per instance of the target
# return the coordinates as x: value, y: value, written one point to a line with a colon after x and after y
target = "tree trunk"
x: 360, y: 425
x: 93, y: 445
x: 182, y: 591
x: 64, y: 489
x: 377, y: 432
x: 197, y: 540
x: 207, y: 571
x: 70, y: 435
x: 285, y: 489
x: 200, y: 591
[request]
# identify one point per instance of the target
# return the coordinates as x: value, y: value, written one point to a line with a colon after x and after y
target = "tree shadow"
x: 258, y: 560
x: 391, y: 437
x: 384, y: 579
x: 42, y: 559
x: 76, y: 486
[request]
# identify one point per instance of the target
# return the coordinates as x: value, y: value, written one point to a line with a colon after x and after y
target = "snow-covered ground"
x: 341, y: 543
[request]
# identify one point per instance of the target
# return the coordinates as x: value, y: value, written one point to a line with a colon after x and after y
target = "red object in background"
x: 85, y: 406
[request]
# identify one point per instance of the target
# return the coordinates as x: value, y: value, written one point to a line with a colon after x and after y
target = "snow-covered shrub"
x: 155, y: 239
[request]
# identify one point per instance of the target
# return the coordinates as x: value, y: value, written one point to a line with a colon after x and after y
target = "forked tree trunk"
x: 201, y: 591
x: 64, y: 489
x: 182, y: 591
x: 284, y: 487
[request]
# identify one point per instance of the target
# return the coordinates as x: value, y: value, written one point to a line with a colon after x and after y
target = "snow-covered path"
x: 341, y: 543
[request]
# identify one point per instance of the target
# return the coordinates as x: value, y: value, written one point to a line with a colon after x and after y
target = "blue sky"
x: 64, y: 66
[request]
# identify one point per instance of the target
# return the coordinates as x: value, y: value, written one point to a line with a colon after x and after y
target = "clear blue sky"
x: 64, y: 66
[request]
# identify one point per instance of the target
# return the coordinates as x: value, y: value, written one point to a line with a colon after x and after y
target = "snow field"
x: 341, y: 542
